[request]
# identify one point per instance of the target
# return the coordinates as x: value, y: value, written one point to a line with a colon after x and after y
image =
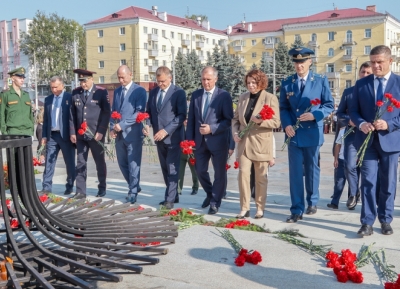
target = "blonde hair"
x: 39, y: 116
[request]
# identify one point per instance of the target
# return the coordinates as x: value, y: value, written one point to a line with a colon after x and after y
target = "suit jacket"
x: 219, y: 117
x: 171, y: 115
x: 258, y: 141
x: 95, y: 111
x: 65, y: 113
x: 363, y: 109
x: 293, y: 103
x: 129, y: 107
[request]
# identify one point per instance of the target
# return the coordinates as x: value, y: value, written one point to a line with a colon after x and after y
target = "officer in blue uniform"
x: 296, y: 94
x: 90, y: 104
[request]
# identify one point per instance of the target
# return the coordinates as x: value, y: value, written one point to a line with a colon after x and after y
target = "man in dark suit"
x: 296, y: 94
x: 352, y: 172
x: 90, y: 104
x: 209, y: 122
x: 129, y: 100
x: 167, y: 109
x: 384, y: 144
x: 55, y: 135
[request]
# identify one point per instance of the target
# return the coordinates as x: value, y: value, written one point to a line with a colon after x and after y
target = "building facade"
x: 144, y: 40
x: 11, y: 57
x: 341, y: 39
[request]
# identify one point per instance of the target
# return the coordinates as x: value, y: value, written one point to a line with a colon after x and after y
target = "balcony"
x: 153, y: 37
x: 268, y: 45
x: 152, y: 69
x: 185, y: 42
x: 199, y: 44
x: 348, y: 42
x: 394, y: 42
x: 332, y: 75
x: 238, y: 48
x: 153, y: 52
x: 312, y: 43
x: 347, y: 58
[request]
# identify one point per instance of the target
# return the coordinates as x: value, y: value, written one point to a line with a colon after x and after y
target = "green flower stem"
x: 227, y: 235
x: 246, y: 129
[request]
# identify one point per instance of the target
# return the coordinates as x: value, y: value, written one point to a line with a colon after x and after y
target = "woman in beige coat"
x: 256, y: 145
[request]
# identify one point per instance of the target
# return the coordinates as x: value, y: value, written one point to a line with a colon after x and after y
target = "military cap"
x: 300, y: 54
x: 20, y: 71
x: 83, y: 74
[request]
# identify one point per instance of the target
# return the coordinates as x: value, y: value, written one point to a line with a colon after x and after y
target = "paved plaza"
x: 202, y: 259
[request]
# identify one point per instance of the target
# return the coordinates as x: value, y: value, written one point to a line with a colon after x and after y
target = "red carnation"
x: 240, y: 260
x: 266, y: 112
x: 356, y: 277
x: 81, y: 131
x: 342, y: 277
x: 243, y: 251
x: 255, y: 258
x: 189, y: 212
x: 142, y: 116
x: 192, y: 161
x: 379, y: 103
x: 14, y: 223
x: 331, y: 256
x: 116, y: 115
x: 84, y: 125
x: 227, y: 166
x: 191, y: 143
x: 390, y: 108
x: 43, y: 198
x: 236, y: 165
x: 388, y: 95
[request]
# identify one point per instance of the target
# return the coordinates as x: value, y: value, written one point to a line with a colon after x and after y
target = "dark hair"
x: 259, y: 76
x: 381, y: 49
x: 366, y: 64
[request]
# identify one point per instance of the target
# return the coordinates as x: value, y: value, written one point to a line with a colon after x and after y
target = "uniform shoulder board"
x: 76, y: 89
x: 288, y: 78
x: 100, y: 87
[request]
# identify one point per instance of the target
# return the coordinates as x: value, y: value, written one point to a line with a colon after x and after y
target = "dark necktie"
x: 302, y: 85
x: 121, y: 101
x: 160, y: 100
x: 379, y: 91
x: 86, y: 94
x: 206, y: 104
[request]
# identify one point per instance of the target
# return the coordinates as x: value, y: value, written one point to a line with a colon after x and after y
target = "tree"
x: 187, y: 72
x: 194, y: 17
x: 254, y: 66
x: 51, y: 39
x: 297, y: 43
x: 264, y: 64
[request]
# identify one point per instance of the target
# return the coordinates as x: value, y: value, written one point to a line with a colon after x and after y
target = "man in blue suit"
x: 296, y: 94
x: 129, y: 100
x: 352, y: 171
x: 209, y: 122
x: 167, y: 109
x: 384, y: 144
x: 55, y: 135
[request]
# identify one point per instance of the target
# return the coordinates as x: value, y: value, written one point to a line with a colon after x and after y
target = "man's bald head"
x: 124, y: 75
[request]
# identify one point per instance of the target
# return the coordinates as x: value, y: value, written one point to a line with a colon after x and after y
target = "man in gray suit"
x: 129, y: 100
x: 167, y: 109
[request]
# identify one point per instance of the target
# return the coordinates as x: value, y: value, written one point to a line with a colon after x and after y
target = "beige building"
x: 144, y: 40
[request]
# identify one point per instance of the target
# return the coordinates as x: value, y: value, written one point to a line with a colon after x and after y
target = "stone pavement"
x: 202, y: 259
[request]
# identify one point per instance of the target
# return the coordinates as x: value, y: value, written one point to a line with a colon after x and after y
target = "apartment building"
x: 341, y: 39
x: 11, y: 57
x: 144, y: 39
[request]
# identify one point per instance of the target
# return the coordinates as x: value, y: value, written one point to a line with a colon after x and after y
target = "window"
x: 367, y: 49
x: 145, y: 45
x: 193, y: 38
x: 122, y: 31
x: 100, y: 33
x: 349, y: 36
x: 101, y: 79
x: 101, y: 64
x: 253, y: 42
x: 164, y: 48
x: 101, y: 49
x: 331, y: 84
x: 180, y: 36
x: 348, y: 67
x: 146, y: 77
x: 331, y: 52
x: 348, y: 83
x: 180, y: 49
x: 297, y: 37
x: 313, y: 37
x: 144, y: 29
x: 163, y: 33
x: 122, y: 47
x: 146, y: 62
x: 349, y: 51
x: 123, y: 62
x: 331, y: 36
x: 154, y: 31
x: 213, y: 41
x: 164, y: 63
x: 9, y: 35
x: 330, y: 67
x: 206, y: 40
x: 155, y: 63
x: 253, y: 54
x: 368, y: 33
x: 277, y: 40
x: 172, y: 35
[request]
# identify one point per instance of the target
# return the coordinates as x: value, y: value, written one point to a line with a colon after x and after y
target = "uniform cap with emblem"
x: 300, y: 54
x: 83, y: 74
x: 20, y: 71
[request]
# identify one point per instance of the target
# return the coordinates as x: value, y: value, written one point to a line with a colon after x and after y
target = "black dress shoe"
x: 169, y: 205
x: 78, y: 196
x: 194, y: 192
x: 311, y: 210
x: 386, y: 229
x: 206, y: 202
x: 45, y: 192
x: 176, y: 199
x: 162, y: 203
x: 68, y: 192
x: 101, y: 193
x: 365, y: 230
x: 351, y: 202
x: 212, y: 210
x: 293, y: 218
x: 332, y: 206
x: 259, y: 216
x: 246, y: 215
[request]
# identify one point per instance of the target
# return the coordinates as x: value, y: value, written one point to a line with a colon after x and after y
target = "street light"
x: 173, y: 60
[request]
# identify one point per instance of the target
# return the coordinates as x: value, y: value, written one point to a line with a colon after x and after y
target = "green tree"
x: 195, y: 67
x: 187, y: 72
x: 253, y: 66
x: 283, y: 66
x: 194, y: 17
x: 51, y: 39
x: 297, y: 43
x: 265, y: 64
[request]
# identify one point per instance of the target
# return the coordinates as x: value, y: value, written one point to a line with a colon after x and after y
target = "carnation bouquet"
x: 141, y: 118
x: 116, y: 117
x: 266, y: 113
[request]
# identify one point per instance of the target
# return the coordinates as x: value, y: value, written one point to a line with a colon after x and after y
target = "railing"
x: 332, y: 74
x: 238, y: 48
x: 199, y: 44
x: 347, y: 58
x: 153, y: 37
x: 185, y: 42
x: 153, y: 52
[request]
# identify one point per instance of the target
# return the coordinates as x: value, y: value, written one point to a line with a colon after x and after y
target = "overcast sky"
x: 221, y: 13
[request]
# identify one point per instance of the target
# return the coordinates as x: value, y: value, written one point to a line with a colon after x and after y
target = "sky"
x: 221, y: 13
